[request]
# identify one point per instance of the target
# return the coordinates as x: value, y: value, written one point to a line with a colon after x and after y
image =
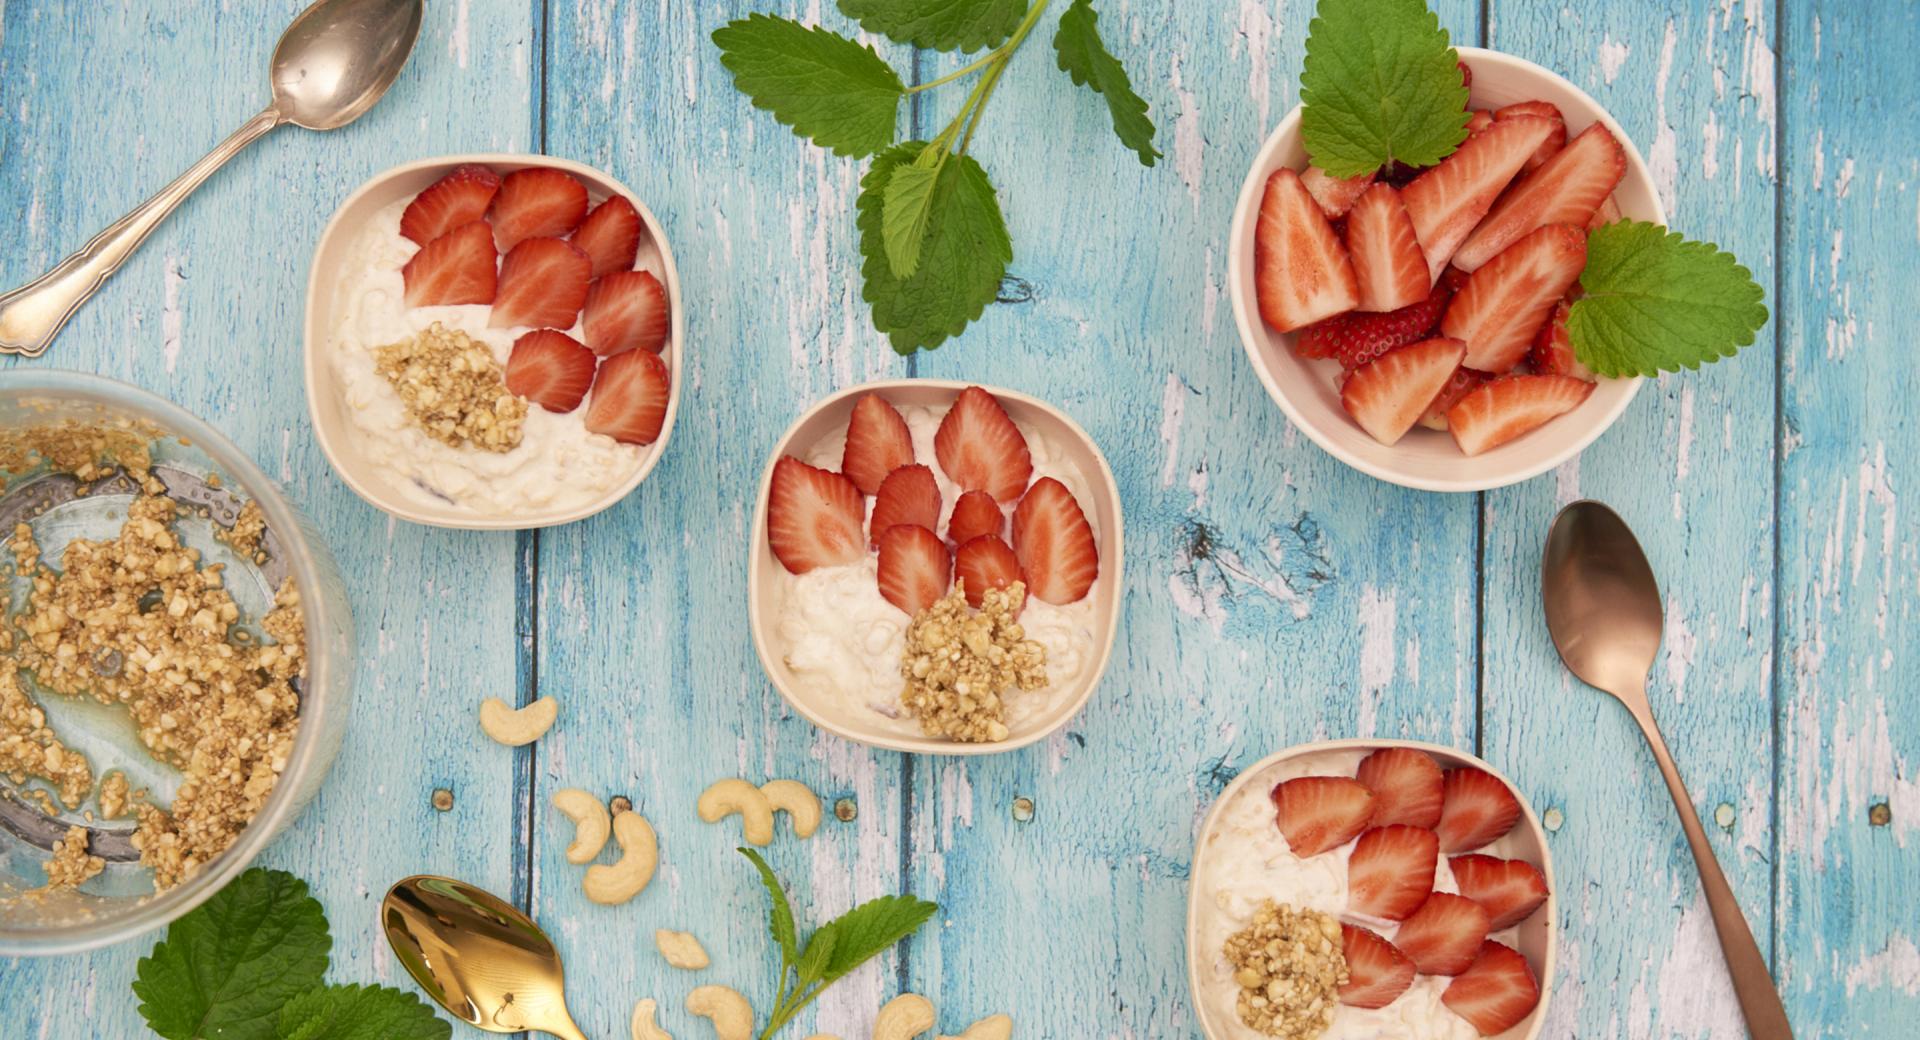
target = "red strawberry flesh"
x: 1357, y: 337
x: 1387, y: 395
x: 1552, y: 350
x: 1500, y: 306
x: 1387, y: 260
x: 1568, y: 188
x: 914, y: 569
x: 625, y: 310
x: 1444, y: 935
x: 537, y: 202
x: 1477, y: 810
x: 456, y: 200
x: 551, y: 369
x: 1390, y: 873
x: 1463, y: 382
x: 975, y: 514
x: 1335, y: 195
x: 813, y: 515
x: 1496, y: 992
x: 980, y: 449
x: 1320, y: 813
x: 909, y: 495
x: 1058, y: 558
x: 456, y: 268
x: 1509, y: 889
x: 1511, y: 407
x: 543, y: 284
x: 630, y: 397
x: 610, y: 236
x: 1301, y: 271
x: 878, y: 442
x: 1406, y: 786
x: 1448, y: 201
x: 985, y: 563
x: 1377, y: 972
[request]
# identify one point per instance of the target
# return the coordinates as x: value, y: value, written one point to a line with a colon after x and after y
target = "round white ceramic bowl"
x: 829, y: 418
x: 338, y: 436
x: 1537, y: 936
x: 1304, y: 388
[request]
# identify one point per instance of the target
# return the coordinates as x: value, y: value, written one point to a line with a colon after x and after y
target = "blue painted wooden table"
x: 1274, y: 596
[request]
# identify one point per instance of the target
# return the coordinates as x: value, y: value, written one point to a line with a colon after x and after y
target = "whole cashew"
x: 591, y: 824
x: 640, y: 854
x: 731, y: 1014
x: 680, y: 949
x: 993, y: 1027
x: 514, y: 727
x: 903, y: 1018
x: 799, y: 801
x: 643, y: 1025
x: 727, y: 797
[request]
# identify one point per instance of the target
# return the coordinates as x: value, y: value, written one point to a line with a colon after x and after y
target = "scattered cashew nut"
x: 731, y: 1014
x: 680, y: 949
x: 640, y: 854
x: 799, y: 801
x: 727, y: 797
x: 643, y: 1024
x: 993, y: 1027
x: 903, y: 1018
x: 514, y: 727
x: 591, y: 824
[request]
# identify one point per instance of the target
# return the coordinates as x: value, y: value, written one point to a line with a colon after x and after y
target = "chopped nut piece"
x: 245, y: 534
x: 87, y: 450
x: 71, y: 864
x: 1290, y: 967
x: 453, y: 389
x: 959, y: 662
x: 28, y: 746
x: 113, y: 796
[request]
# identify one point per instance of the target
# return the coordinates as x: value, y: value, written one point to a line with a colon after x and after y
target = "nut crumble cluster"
x: 1290, y: 966
x: 72, y: 864
x: 453, y: 389
x: 958, y: 662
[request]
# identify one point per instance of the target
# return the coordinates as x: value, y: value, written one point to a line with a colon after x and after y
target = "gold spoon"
x: 1603, y: 609
x: 478, y: 956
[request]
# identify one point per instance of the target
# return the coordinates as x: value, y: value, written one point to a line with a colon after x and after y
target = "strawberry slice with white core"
x: 1495, y: 993
x: 1444, y: 935
x: 551, y: 369
x: 1320, y: 813
x: 1510, y: 407
x: 1447, y: 202
x: 1476, y: 810
x: 1301, y: 272
x: 1552, y: 350
x: 537, y: 202
x: 1391, y: 870
x: 1388, y: 394
x: 543, y: 284
x: 1554, y: 142
x: 1569, y: 188
x: 1406, y: 786
x: 1464, y: 382
x: 625, y: 310
x: 456, y: 200
x: 985, y: 563
x: 813, y: 515
x: 975, y: 514
x: 878, y: 442
x: 1477, y: 120
x: 1510, y: 889
x: 980, y: 449
x: 1500, y: 306
x: 1377, y: 972
x: 455, y: 268
x: 915, y: 569
x: 1608, y: 212
x: 610, y: 236
x: 1058, y: 558
x: 630, y: 396
x: 1335, y: 195
x: 1387, y: 260
x: 909, y: 495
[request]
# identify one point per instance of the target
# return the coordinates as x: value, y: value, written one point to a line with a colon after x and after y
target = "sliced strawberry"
x: 1464, y: 382
x: 915, y: 570
x: 1511, y: 406
x: 1568, y: 188
x: 1477, y: 809
x: 456, y: 200
x: 1554, y: 142
x: 1466, y: 75
x: 1608, y: 212
x: 1496, y: 992
x: 909, y: 495
x: 1319, y: 813
x: 455, y: 268
x: 878, y: 442
x: 1377, y: 972
x: 1405, y: 784
x: 1387, y: 395
x: 610, y: 236
x: 1447, y: 201
x: 980, y: 449
x: 1387, y: 261
x: 1300, y: 270
x: 1477, y: 120
x: 1391, y: 871
x: 813, y: 515
x: 1552, y: 350
x: 1336, y: 195
x: 1500, y: 307
x: 1058, y: 558
x: 974, y: 515
x: 1444, y: 935
x: 543, y: 283
x: 985, y: 563
x: 551, y: 369
x: 1358, y: 337
x: 1510, y: 889
x: 630, y: 397
x: 625, y: 310
x: 537, y: 202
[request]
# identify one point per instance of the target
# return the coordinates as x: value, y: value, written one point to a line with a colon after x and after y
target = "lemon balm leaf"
x: 1654, y: 301
x: 962, y: 259
x: 940, y: 25
x: 1381, y: 83
x: 359, y: 1013
x: 906, y: 208
x: 1083, y: 56
x: 826, y: 87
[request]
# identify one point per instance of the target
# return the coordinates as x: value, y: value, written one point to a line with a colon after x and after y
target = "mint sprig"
x: 961, y: 258
x: 1654, y: 301
x: 1381, y: 83
x: 821, y: 84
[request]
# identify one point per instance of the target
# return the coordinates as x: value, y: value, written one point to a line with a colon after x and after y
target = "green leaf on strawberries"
x: 962, y: 259
x: 1652, y: 301
x: 940, y: 25
x: 1380, y: 84
x: 1082, y: 55
x: 823, y: 85
x: 906, y: 208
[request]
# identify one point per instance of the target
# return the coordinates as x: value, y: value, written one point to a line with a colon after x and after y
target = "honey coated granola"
x: 1290, y: 966
x: 453, y: 389
x: 72, y: 864
x: 958, y: 662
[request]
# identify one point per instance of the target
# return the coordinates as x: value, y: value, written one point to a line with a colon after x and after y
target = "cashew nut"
x: 514, y: 727
x: 993, y: 1027
x: 680, y: 949
x: 903, y: 1018
x: 727, y: 797
x: 731, y: 1014
x: 640, y: 854
x: 799, y: 801
x: 591, y: 824
x: 643, y: 1025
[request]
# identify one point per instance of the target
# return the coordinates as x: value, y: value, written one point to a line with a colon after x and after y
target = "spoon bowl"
x: 338, y: 58
x: 1602, y: 601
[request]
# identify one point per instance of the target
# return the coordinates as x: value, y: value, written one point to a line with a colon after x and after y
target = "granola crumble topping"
x: 958, y: 662
x: 28, y: 746
x: 1290, y: 966
x: 453, y: 389
x: 72, y: 863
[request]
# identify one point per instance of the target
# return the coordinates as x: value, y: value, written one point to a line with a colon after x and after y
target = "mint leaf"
x: 225, y: 969
x: 1655, y: 302
x: 940, y: 25
x: 1083, y: 56
x: 1380, y: 84
x: 864, y: 931
x: 359, y: 1013
x: 823, y: 85
x: 817, y: 956
x: 905, y: 209
x: 779, y: 914
x: 962, y: 260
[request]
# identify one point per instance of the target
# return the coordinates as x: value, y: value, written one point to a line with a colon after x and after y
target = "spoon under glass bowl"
x: 478, y: 956
x: 332, y: 64
x: 1603, y: 610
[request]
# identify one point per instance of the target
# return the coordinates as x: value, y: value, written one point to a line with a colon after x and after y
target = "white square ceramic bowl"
x: 830, y: 417
x: 1537, y: 936
x: 1304, y: 388
x: 335, y: 430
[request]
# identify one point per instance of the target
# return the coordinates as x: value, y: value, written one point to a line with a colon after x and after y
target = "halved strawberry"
x: 1568, y: 188
x: 1058, y: 558
x: 1466, y: 74
x: 1510, y: 889
x: 1500, y: 307
x: 551, y: 369
x: 1357, y: 337
x: 974, y: 515
x: 1464, y: 382
x: 610, y: 236
x: 1608, y: 212
x: 1387, y: 261
x: 1552, y: 351
x: 1476, y: 809
x: 1477, y: 120
x: 1377, y: 972
x: 1301, y: 272
x: 980, y: 449
x: 455, y: 268
x: 1319, y: 813
x: 1388, y: 394
x: 1496, y: 992
x: 625, y: 310
x: 630, y: 397
x: 543, y: 283
x: 909, y: 495
x: 985, y: 563
x: 915, y: 570
x: 1336, y: 195
x: 458, y: 199
x: 878, y: 442
x: 1406, y: 786
x: 1554, y: 142
x: 1511, y: 406
x: 1447, y: 202
x: 537, y: 202
x: 1444, y: 935
x: 1391, y: 871
x: 813, y: 515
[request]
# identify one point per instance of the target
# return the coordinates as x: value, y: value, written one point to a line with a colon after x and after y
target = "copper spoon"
x: 1603, y: 609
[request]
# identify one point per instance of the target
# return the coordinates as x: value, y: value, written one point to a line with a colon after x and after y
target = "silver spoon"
x: 332, y: 64
x: 1603, y: 610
